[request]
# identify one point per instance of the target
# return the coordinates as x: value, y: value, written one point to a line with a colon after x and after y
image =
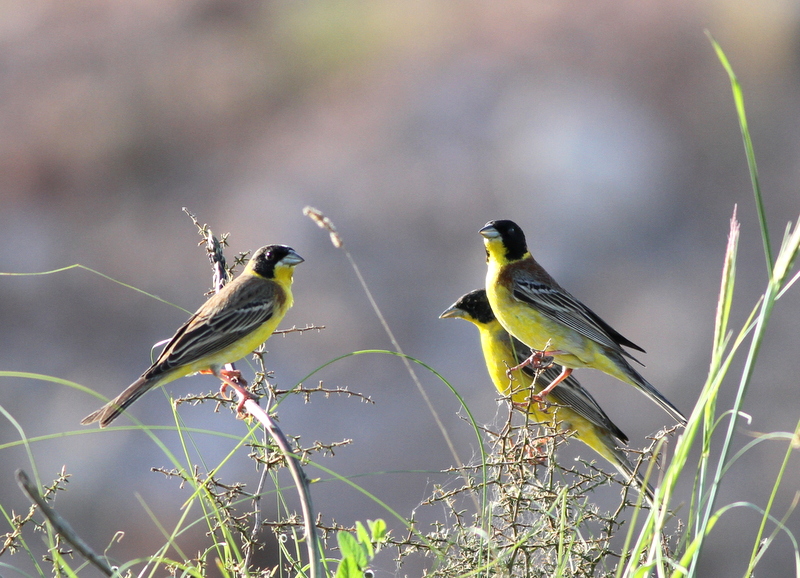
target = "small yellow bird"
x: 539, y: 312
x: 573, y: 407
x: 231, y: 324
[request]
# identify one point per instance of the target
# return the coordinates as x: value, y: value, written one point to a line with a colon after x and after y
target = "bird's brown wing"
x: 558, y: 305
x: 220, y: 322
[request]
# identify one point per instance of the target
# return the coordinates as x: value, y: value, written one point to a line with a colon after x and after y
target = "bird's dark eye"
x: 270, y: 255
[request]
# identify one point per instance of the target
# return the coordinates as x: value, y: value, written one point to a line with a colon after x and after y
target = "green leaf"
x: 348, y: 567
x: 366, y: 541
x: 378, y: 530
x: 350, y: 548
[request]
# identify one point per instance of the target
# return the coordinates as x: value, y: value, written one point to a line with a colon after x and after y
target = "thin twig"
x: 256, y: 514
x: 60, y: 525
x: 296, y: 329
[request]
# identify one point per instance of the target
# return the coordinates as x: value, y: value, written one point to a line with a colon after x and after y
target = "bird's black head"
x: 264, y: 261
x: 476, y: 304
x: 512, y: 236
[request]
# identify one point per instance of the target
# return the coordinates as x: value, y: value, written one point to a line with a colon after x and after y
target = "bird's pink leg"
x: 537, y: 360
x: 543, y: 360
x: 233, y: 378
x: 565, y: 373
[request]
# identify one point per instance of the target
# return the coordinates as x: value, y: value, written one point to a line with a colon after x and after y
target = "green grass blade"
x: 757, y: 545
x: 738, y: 99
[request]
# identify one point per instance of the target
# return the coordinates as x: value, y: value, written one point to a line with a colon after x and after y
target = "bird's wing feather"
x: 217, y: 325
x: 561, y: 307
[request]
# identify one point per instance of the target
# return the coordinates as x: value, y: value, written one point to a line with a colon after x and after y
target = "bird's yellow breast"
x: 520, y: 319
x: 499, y: 355
x: 283, y: 277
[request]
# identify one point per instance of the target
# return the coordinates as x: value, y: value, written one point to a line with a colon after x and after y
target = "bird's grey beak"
x: 451, y: 311
x: 292, y: 258
x: 489, y: 232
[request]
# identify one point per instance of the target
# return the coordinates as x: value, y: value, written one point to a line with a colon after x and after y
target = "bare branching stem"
x: 251, y: 407
x: 60, y: 525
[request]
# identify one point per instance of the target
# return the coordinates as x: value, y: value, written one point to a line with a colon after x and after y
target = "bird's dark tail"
x: 619, y: 460
x: 647, y: 388
x: 109, y: 412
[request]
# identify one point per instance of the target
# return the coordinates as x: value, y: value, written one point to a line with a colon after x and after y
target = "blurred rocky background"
x: 606, y: 129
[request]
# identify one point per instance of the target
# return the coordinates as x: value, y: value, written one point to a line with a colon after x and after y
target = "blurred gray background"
x: 606, y: 129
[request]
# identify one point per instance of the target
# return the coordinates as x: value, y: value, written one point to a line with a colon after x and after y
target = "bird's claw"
x: 525, y: 405
x: 536, y: 360
x: 233, y: 378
